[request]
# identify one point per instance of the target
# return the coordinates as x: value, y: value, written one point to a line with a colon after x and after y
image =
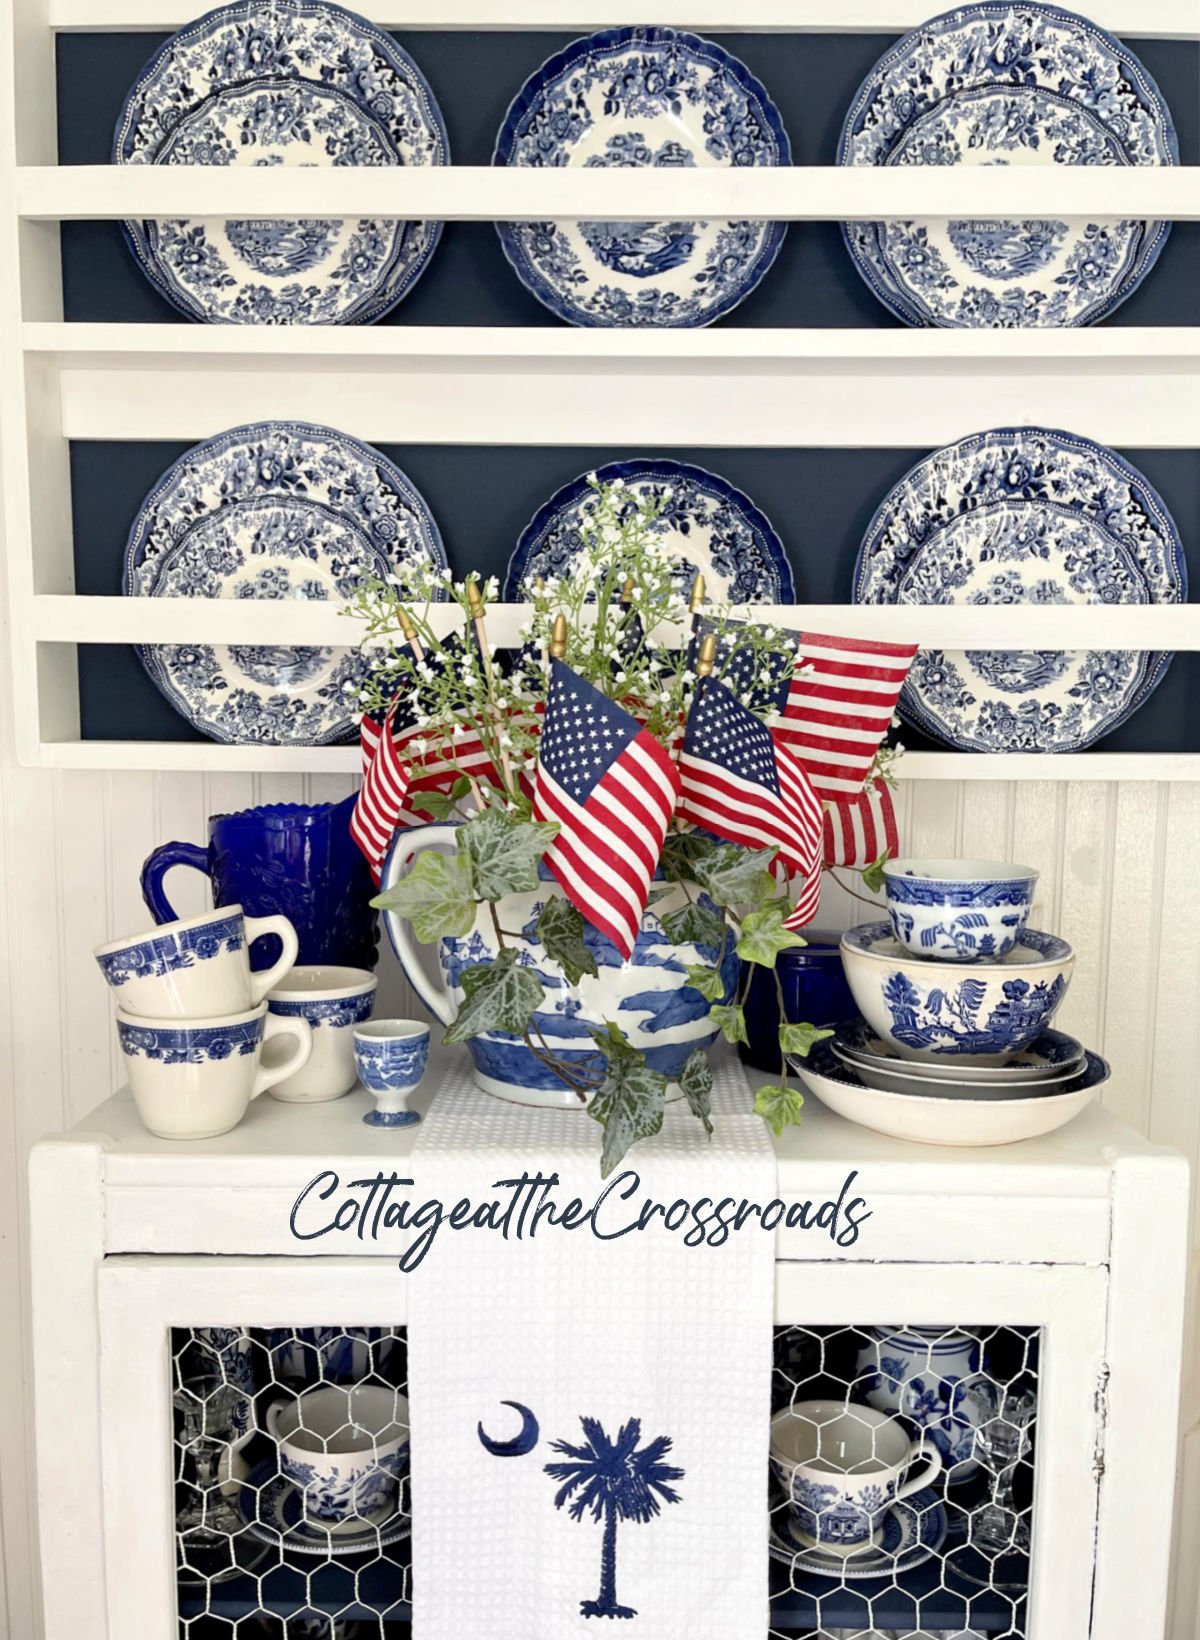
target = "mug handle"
x: 283, y: 1025
x: 156, y: 868
x: 265, y: 981
x: 275, y: 1410
x: 932, y: 1469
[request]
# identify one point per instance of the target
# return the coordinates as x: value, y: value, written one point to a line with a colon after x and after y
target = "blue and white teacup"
x: 196, y: 968
x: 391, y: 1056
x: 334, y: 1001
x: 958, y: 910
x: 842, y: 1467
x: 193, y: 1078
x: 344, y: 1450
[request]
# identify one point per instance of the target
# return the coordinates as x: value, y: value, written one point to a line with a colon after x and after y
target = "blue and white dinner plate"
x: 711, y: 528
x: 1003, y: 84
x: 1023, y: 515
x: 914, y: 1529
x: 274, y: 1513
x: 633, y: 97
x: 281, y: 82
x: 272, y: 510
x: 1053, y: 1055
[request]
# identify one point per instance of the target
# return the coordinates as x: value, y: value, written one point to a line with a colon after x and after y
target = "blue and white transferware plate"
x: 1003, y: 84
x: 632, y: 97
x: 711, y: 528
x: 273, y: 1511
x: 282, y: 82
x: 1052, y: 1056
x: 914, y: 1529
x: 272, y: 510
x: 1023, y: 516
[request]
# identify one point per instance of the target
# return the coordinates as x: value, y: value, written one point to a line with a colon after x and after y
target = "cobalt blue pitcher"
x: 284, y: 858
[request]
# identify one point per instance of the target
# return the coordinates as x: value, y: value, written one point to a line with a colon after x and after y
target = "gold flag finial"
x: 697, y: 597
x: 627, y: 592
x: 708, y: 656
x: 406, y: 625
x: 474, y: 599
x: 558, y: 637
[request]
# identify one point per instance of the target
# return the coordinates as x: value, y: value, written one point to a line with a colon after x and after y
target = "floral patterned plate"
x: 286, y: 82
x: 273, y: 510
x: 914, y: 1529
x: 1003, y: 84
x: 631, y: 97
x: 1015, y: 516
x: 271, y: 1507
x: 716, y: 530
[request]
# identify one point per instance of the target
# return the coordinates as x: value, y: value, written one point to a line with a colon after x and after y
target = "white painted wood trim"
x: 515, y: 193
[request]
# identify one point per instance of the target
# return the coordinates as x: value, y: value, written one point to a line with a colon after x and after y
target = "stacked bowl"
x: 957, y: 994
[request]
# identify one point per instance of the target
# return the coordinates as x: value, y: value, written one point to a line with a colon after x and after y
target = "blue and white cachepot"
x: 923, y: 1373
x: 648, y: 995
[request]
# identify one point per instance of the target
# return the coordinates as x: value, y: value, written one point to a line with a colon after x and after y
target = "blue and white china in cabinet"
x: 344, y: 1450
x: 193, y: 1079
x: 914, y: 1529
x: 958, y: 910
x: 273, y: 1511
x: 984, y: 1011
x: 1013, y: 85
x: 231, y: 1350
x: 275, y: 83
x: 923, y: 1373
x: 709, y: 526
x: 332, y: 1355
x: 391, y: 1056
x: 1051, y: 1060
x: 196, y: 967
x: 1023, y: 515
x: 648, y: 996
x: 278, y: 510
x: 333, y: 1001
x: 642, y: 97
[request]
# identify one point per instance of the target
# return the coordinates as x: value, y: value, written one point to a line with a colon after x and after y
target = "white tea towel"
x: 628, y: 1378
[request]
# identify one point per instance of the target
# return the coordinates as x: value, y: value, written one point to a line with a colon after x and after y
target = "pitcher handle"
x: 931, y: 1469
x: 156, y: 868
x: 283, y: 1025
x: 407, y: 846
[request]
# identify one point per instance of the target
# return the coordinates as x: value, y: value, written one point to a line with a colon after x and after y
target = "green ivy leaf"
x: 799, y: 1039
x: 696, y: 1080
x: 731, y: 1020
x: 629, y: 1103
x: 779, y: 1107
x: 437, y: 805
x: 872, y: 875
x: 504, y: 852
x: 764, y: 936
x: 696, y: 925
x: 436, y: 896
x: 681, y: 851
x: 500, y: 996
x: 560, y: 929
x: 708, y: 981
x: 737, y: 876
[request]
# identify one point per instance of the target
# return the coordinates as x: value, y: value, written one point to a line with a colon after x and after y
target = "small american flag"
x: 612, y: 789
x: 839, y: 705
x: 386, y: 779
x: 738, y: 782
x: 859, y: 829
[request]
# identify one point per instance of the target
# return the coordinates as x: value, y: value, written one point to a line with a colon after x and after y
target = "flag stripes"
x: 859, y: 830
x: 839, y: 707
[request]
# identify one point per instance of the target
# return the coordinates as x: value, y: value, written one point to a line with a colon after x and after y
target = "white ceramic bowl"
x: 983, y: 1011
x: 958, y: 910
x: 933, y: 1120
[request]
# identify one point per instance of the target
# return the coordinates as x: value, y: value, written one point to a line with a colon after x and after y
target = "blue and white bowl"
x: 958, y: 910
x: 391, y: 1056
x: 984, y: 1011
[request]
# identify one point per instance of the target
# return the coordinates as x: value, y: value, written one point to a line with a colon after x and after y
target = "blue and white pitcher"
x: 647, y: 996
x: 923, y: 1373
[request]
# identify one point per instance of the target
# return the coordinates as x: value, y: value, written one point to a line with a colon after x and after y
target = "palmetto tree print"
x: 615, y: 1481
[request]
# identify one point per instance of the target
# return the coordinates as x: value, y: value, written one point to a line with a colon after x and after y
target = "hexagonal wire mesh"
x: 291, y: 1470
x: 257, y: 1560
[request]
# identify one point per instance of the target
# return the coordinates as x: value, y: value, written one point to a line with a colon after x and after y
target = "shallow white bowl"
x: 932, y: 1120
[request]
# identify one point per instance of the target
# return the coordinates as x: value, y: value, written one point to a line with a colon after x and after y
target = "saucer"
x: 271, y: 1507
x: 914, y: 1529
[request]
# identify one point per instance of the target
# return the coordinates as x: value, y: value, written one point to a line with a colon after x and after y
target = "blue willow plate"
x: 1003, y: 84
x: 273, y: 1511
x: 914, y: 1529
x: 632, y: 97
x: 711, y: 527
x: 281, y: 82
x: 273, y: 510
x: 1023, y: 516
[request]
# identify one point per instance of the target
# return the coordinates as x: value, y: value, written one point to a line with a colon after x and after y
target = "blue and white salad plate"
x: 281, y: 82
x: 1023, y: 515
x: 272, y: 510
x: 914, y: 1529
x: 711, y: 528
x: 273, y: 1510
x: 633, y: 97
x: 1003, y: 84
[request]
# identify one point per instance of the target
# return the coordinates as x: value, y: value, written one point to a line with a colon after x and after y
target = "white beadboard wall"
x: 1119, y: 877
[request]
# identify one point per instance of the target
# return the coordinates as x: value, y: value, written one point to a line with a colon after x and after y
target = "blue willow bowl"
x: 983, y: 1011
x: 958, y: 910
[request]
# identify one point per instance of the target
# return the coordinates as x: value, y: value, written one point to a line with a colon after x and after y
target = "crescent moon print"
x: 524, y: 1441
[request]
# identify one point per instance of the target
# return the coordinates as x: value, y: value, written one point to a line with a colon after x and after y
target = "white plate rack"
x: 1128, y: 387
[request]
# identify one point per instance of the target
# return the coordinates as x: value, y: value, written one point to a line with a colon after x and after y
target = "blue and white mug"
x: 193, y: 1079
x: 333, y: 1001
x: 344, y: 1450
x: 196, y: 968
x: 391, y: 1056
